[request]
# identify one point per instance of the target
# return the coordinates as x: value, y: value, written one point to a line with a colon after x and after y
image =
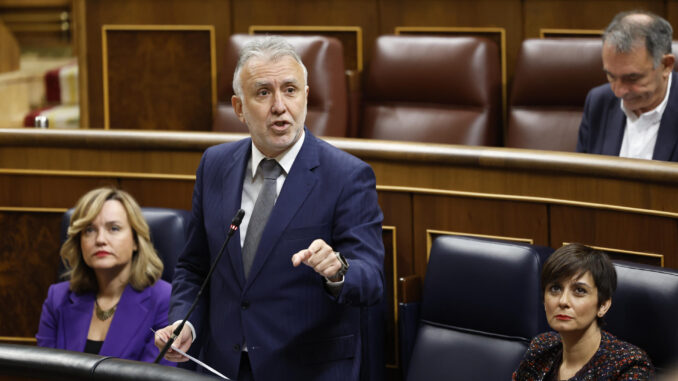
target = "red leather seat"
x: 550, y: 83
x: 433, y: 89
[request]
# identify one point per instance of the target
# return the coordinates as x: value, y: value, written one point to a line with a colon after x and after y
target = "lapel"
x: 77, y: 316
x: 667, y: 136
x: 612, y: 140
x: 128, y: 322
x: 298, y: 185
x: 234, y: 173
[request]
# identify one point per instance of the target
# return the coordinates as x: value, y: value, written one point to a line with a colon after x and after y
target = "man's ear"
x: 668, y: 61
x: 236, y: 102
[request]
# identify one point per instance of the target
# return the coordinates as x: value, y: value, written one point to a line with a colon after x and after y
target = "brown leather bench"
x: 433, y: 89
x: 551, y: 80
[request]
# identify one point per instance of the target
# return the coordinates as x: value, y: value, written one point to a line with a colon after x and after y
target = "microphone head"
x: 238, y: 218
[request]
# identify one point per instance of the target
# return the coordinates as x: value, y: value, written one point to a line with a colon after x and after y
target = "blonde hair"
x: 146, y: 265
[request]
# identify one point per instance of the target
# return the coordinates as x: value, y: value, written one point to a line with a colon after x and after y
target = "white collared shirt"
x: 640, y: 134
x: 254, y: 179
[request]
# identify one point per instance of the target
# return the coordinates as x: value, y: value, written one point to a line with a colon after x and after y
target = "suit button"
x: 245, y: 305
x: 236, y: 347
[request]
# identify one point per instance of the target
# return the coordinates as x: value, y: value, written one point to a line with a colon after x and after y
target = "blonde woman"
x: 114, y: 296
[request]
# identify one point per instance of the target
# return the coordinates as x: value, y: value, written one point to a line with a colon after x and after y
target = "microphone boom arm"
x: 235, y: 223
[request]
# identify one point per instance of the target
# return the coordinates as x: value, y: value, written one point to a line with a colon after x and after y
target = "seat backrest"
x: 481, y: 305
x: 327, y: 99
x: 550, y: 83
x: 168, y: 234
x: 29, y: 362
x: 433, y: 89
x: 644, y: 311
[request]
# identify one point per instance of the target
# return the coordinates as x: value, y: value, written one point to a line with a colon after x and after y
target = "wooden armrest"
x: 353, y: 85
x: 409, y: 289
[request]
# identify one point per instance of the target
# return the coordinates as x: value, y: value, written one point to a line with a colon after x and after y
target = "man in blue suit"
x: 636, y: 114
x: 292, y: 311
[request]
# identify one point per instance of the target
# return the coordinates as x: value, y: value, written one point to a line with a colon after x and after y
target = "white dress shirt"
x: 640, y: 134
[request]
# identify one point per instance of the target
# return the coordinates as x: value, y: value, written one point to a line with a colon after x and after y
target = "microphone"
x: 235, y: 223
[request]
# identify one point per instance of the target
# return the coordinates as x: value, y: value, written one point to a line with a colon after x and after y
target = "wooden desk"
x: 424, y: 189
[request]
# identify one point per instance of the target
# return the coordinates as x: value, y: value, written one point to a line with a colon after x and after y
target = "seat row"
x: 427, y: 89
x: 481, y: 305
x: 169, y: 227
x: 443, y: 90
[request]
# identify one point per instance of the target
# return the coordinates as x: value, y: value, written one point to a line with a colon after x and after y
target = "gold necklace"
x: 101, y: 314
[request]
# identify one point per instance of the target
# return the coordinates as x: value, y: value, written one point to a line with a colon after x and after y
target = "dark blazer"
x: 65, y: 319
x: 602, y: 127
x: 614, y: 360
x: 293, y: 327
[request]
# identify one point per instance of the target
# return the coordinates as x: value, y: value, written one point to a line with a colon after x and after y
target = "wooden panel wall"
x: 580, y: 14
x: 364, y: 14
x: 175, y: 69
x: 28, y: 264
x: 40, y: 26
x: 545, y: 197
x: 520, y: 18
x: 610, y: 229
x: 9, y: 50
x: 91, y: 15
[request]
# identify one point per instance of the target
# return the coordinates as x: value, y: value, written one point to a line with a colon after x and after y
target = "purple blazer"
x: 65, y: 319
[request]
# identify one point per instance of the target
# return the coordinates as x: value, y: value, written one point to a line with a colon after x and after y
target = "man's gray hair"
x: 268, y: 47
x: 624, y: 31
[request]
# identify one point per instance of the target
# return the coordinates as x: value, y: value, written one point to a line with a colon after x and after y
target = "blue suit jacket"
x: 65, y: 319
x: 293, y: 328
x: 602, y: 127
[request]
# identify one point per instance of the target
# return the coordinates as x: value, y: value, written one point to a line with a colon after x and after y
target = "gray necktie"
x: 262, y: 209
